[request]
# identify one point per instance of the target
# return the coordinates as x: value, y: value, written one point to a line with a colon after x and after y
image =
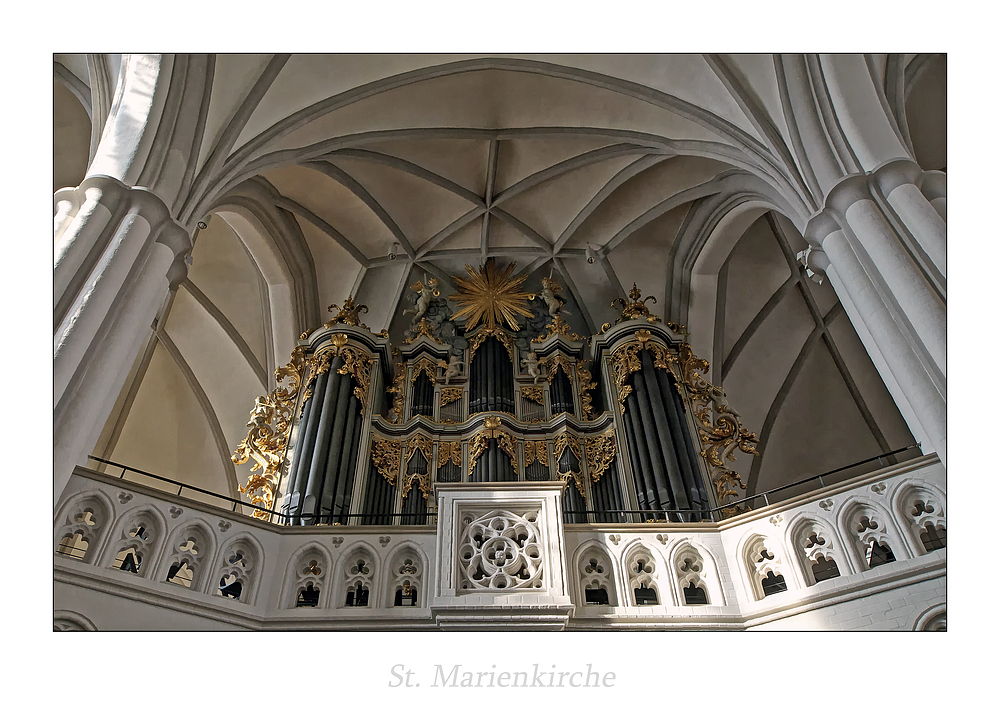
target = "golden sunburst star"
x: 491, y: 295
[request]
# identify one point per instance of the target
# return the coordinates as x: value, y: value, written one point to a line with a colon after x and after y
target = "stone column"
x: 114, y: 261
x: 920, y: 309
x: 898, y: 182
x: 910, y: 379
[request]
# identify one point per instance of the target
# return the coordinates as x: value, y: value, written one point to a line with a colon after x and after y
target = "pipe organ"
x: 492, y: 389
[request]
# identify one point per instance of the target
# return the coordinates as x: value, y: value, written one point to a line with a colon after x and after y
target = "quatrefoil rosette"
x: 500, y: 550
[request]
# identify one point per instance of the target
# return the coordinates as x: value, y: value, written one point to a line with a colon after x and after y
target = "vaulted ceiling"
x: 325, y: 176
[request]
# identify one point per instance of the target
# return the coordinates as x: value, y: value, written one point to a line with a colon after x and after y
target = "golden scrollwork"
x: 601, y: 451
x: 348, y: 314
x: 419, y: 443
x: 585, y: 384
x: 396, y: 390
x: 424, y: 329
x: 557, y: 328
x: 498, y: 333
x: 449, y: 452
x: 532, y: 393
x: 480, y: 442
x: 625, y: 361
x: 553, y: 365
x: 719, y: 426
x: 359, y: 365
x: 636, y: 308
x: 424, y: 365
x: 386, y: 454
x: 270, y: 423
x: 536, y: 451
x: 424, y: 445
x: 564, y: 440
x: 450, y: 395
x: 577, y: 478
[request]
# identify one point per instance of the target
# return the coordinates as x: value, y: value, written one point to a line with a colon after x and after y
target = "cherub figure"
x: 427, y: 292
x: 453, y: 368
x: 533, y: 365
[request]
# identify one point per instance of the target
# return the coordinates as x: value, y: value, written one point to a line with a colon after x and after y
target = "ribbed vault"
x: 322, y: 177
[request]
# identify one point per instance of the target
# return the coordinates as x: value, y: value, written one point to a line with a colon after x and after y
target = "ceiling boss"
x: 492, y: 296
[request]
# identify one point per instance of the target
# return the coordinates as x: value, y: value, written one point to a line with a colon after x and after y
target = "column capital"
x: 815, y: 261
x: 934, y: 184
x: 895, y: 173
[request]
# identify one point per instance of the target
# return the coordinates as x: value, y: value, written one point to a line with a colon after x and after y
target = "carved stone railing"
x: 245, y: 573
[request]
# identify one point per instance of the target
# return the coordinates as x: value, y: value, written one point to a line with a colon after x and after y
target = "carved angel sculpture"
x: 533, y: 365
x: 452, y: 369
x: 427, y: 292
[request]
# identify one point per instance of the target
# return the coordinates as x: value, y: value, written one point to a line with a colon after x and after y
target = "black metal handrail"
x: 696, y: 514
x: 682, y: 514
x: 181, y: 486
x: 278, y: 515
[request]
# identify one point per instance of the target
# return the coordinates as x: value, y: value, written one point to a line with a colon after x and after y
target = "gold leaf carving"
x: 601, y: 451
x: 424, y: 365
x: 386, y: 454
x: 492, y: 296
x: 586, y: 384
x: 270, y: 424
x: 532, y: 393
x: 636, y: 308
x: 536, y: 451
x: 396, y: 390
x: 449, y: 452
x: 450, y: 395
x: 719, y: 426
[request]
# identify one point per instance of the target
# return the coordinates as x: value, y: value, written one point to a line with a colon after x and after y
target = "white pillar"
x: 854, y: 209
x: 921, y: 403
x: 898, y: 183
x: 97, y: 340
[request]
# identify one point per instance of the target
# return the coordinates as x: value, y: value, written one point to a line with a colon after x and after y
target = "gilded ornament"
x: 479, y: 442
x: 564, y: 440
x: 270, y: 424
x: 585, y: 383
x: 557, y: 328
x: 347, y: 314
x: 601, y: 451
x: 396, y: 390
x: 554, y: 363
x: 499, y: 334
x: 577, y: 478
x: 359, y: 365
x: 636, y: 308
x: 536, y: 451
x: 424, y: 365
x: 719, y: 427
x: 450, y: 395
x: 386, y: 454
x: 492, y: 296
x: 424, y: 329
x: 625, y: 361
x: 419, y: 443
x: 449, y: 452
x: 532, y: 393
